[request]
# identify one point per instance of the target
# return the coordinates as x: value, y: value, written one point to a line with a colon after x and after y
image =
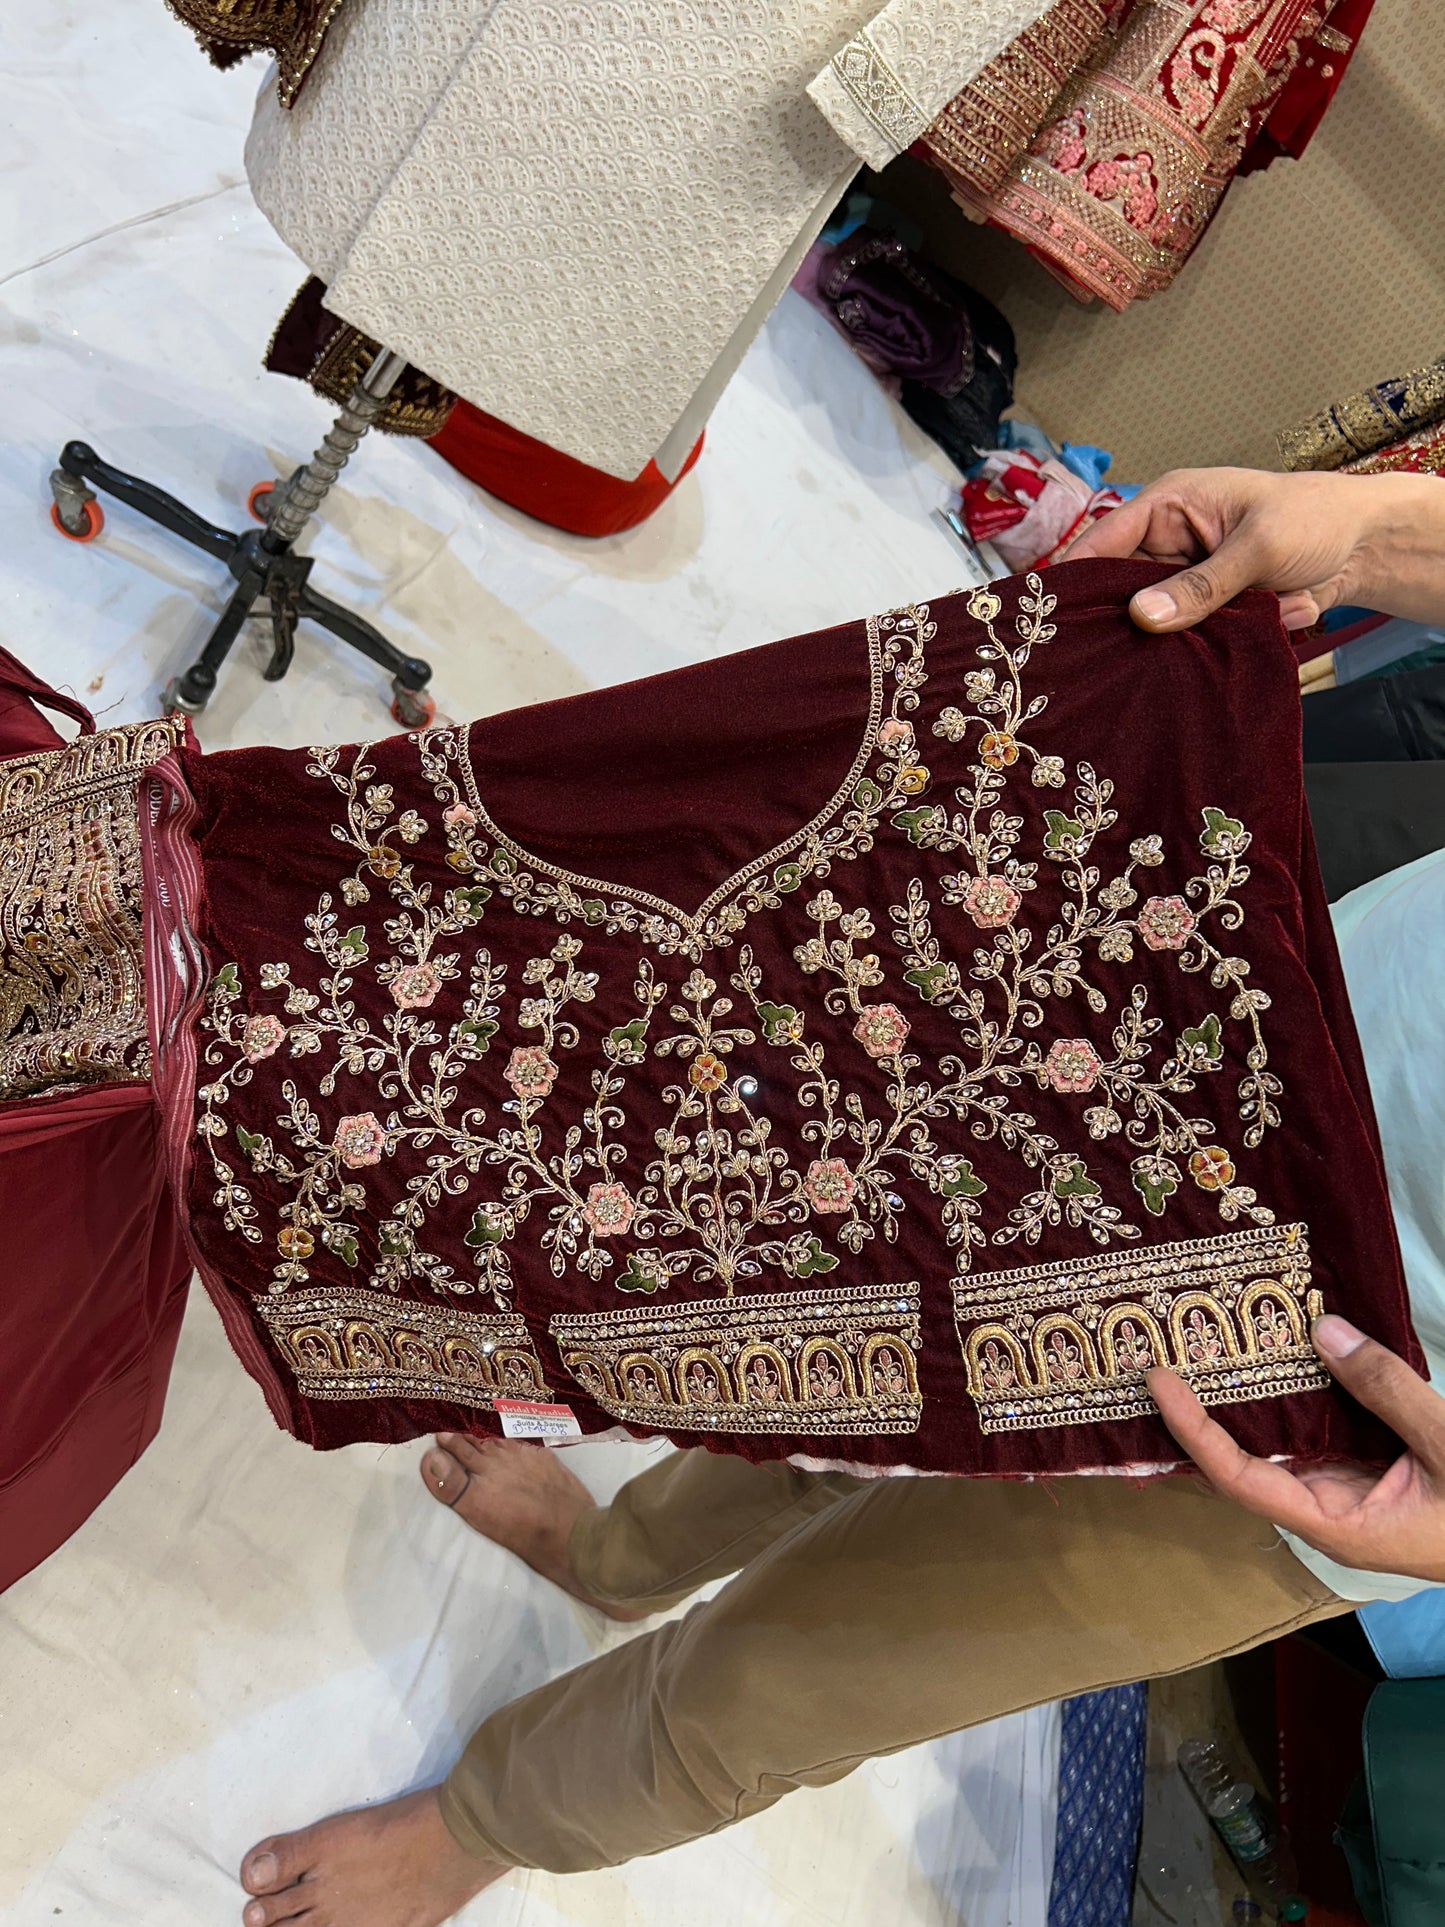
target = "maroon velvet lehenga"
x: 94, y: 1269
x: 878, y: 1046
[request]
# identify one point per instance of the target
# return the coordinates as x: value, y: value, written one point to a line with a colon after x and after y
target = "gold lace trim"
x: 1068, y: 1343
x: 292, y: 30
x: 72, y: 983
x: 822, y: 1362
x: 363, y: 1344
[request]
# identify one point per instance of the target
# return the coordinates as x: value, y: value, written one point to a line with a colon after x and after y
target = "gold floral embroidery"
x: 363, y: 1344
x: 815, y: 1361
x: 799, y: 1179
x: 1068, y: 1343
x: 72, y: 985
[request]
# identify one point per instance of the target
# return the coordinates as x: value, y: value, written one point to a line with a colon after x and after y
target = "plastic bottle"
x: 1234, y: 1810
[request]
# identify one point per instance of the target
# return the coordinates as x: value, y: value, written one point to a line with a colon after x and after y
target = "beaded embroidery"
x: 805, y: 1361
x: 856, y: 1131
x: 72, y: 985
x: 1062, y: 1343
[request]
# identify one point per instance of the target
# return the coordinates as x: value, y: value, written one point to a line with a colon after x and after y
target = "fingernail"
x: 1156, y: 605
x: 254, y: 1914
x: 446, y: 1438
x: 263, y: 1870
x: 1336, y: 1337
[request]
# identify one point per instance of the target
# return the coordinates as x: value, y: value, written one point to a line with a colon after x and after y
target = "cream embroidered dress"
x: 579, y: 215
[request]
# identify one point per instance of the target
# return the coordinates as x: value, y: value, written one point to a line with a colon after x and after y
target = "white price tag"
x: 523, y: 1419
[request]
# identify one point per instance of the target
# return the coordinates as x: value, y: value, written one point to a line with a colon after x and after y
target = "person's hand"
x: 1390, y: 1522
x: 1317, y: 540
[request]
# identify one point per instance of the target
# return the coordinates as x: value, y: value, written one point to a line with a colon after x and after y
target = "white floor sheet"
x: 248, y: 1635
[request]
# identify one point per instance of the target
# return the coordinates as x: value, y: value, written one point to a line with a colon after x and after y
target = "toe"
x: 473, y: 1455
x: 442, y: 1476
x: 275, y: 1864
x: 275, y: 1909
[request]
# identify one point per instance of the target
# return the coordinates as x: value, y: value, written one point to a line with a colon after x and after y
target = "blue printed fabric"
x: 1101, y: 1805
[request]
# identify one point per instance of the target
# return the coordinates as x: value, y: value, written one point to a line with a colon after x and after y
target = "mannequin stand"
x: 263, y: 561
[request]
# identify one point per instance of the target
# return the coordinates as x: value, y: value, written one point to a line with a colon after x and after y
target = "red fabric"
x: 668, y: 787
x: 543, y: 483
x: 1297, y: 113
x: 95, y: 1264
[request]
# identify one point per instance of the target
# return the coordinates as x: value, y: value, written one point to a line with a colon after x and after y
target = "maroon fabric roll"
x: 879, y: 1046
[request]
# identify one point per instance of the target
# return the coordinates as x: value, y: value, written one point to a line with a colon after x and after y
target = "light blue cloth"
x: 1392, y: 943
x: 1408, y: 1635
x: 1367, y: 655
x: 1101, y: 1806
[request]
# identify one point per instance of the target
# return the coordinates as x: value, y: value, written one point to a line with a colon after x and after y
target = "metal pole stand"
x: 263, y: 561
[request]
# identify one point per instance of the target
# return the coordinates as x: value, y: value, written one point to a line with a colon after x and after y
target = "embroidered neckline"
x: 724, y: 911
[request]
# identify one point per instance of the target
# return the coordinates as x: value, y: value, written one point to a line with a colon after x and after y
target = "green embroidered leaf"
x: 249, y: 1141
x: 928, y: 820
x: 805, y: 1257
x: 342, y: 1240
x: 933, y: 982
x: 642, y: 1276
x: 956, y: 1179
x: 501, y: 864
x: 1061, y: 832
x: 467, y: 903
x: 1076, y: 1183
x: 594, y: 910
x: 354, y: 942
x: 867, y: 795
x: 228, y: 983
x: 788, y: 876
x: 782, y: 1024
x: 391, y: 1241
x: 1202, y: 1040
x: 476, y: 1031
x: 626, y: 1039
x: 1221, y: 833
x: 486, y: 1229
x: 1156, y: 1183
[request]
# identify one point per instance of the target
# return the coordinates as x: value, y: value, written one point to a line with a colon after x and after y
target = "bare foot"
x: 389, y: 1866
x: 519, y: 1496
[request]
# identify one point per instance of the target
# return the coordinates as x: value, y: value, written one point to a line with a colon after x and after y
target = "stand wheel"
x: 412, y: 708
x: 173, y: 701
x: 93, y: 516
x: 258, y: 501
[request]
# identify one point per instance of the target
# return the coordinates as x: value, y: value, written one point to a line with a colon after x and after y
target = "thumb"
x: 1386, y: 1386
x: 1198, y: 591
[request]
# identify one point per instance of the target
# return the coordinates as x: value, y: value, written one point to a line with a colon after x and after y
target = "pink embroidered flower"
x: 609, y: 1210
x: 829, y: 1185
x: 1072, y: 1065
x: 1166, y: 923
x: 895, y: 730
x: 530, y: 1071
x: 262, y: 1037
x: 415, y: 986
x: 882, y: 1030
x: 992, y: 902
x: 459, y: 814
x: 1212, y: 1169
x: 359, y: 1140
x: 998, y: 749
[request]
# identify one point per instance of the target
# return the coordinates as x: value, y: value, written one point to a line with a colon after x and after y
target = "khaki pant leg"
x: 906, y: 1609
x: 692, y: 1517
